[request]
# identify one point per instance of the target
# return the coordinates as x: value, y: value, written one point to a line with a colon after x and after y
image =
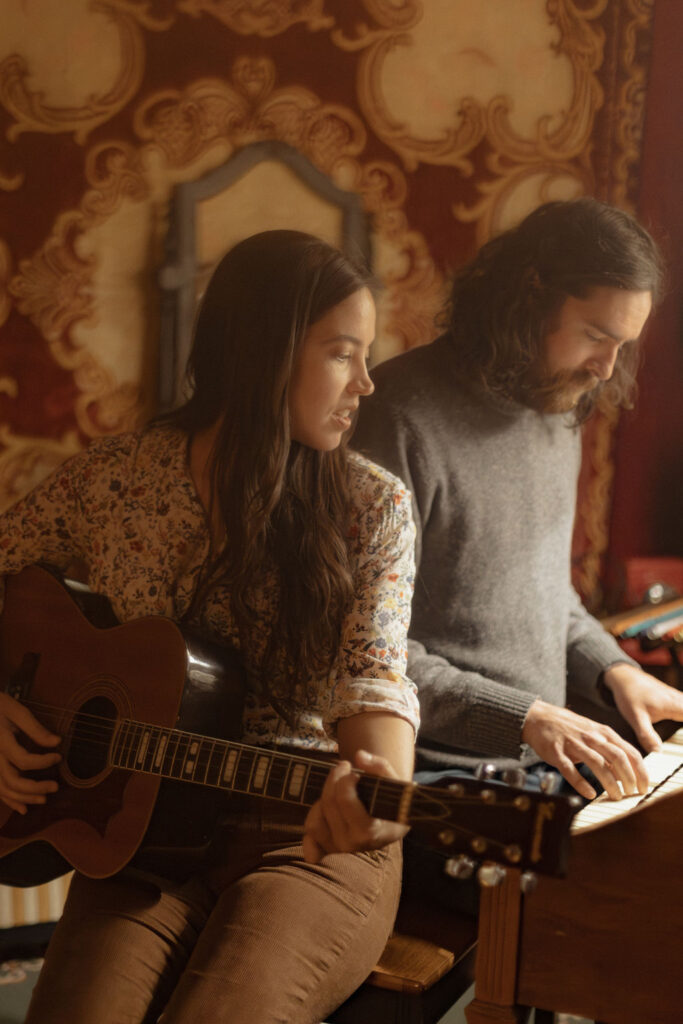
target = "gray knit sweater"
x: 496, y: 622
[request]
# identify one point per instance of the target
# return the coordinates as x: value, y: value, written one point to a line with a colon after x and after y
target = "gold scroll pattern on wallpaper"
x: 262, y: 17
x: 505, y: 96
x: 106, y: 42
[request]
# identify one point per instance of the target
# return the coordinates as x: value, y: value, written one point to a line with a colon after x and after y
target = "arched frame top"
x: 179, y: 272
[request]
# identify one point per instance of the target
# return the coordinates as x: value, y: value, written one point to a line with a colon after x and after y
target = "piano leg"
x: 496, y: 965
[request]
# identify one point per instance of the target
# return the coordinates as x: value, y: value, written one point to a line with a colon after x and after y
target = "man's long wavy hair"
x: 283, y: 506
x: 504, y: 303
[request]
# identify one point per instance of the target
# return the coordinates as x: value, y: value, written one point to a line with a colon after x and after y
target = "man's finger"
x: 639, y: 766
x: 644, y: 730
x: 574, y: 777
x: 617, y: 761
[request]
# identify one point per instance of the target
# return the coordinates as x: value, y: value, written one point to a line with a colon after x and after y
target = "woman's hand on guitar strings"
x: 16, y: 790
x: 338, y: 822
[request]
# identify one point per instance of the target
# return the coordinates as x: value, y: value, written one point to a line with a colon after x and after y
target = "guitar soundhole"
x: 91, y: 734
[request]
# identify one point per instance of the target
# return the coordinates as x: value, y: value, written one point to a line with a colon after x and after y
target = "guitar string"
x: 97, y: 731
x: 318, y: 771
x: 102, y: 729
x: 100, y: 738
x: 103, y: 726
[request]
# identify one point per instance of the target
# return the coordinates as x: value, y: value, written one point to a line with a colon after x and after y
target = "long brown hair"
x: 283, y: 506
x: 503, y: 303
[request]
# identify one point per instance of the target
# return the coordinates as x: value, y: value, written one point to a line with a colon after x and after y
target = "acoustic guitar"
x: 150, y: 718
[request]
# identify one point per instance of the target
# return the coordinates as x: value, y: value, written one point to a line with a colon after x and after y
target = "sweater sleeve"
x: 465, y: 710
x: 590, y: 650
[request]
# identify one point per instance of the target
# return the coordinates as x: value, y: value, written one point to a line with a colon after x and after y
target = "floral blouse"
x: 127, y: 509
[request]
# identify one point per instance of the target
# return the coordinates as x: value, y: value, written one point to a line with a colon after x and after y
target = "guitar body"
x: 62, y: 654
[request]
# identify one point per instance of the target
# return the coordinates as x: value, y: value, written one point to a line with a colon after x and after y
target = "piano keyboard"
x: 665, y: 769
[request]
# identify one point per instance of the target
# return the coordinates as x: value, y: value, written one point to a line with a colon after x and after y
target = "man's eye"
x: 343, y: 357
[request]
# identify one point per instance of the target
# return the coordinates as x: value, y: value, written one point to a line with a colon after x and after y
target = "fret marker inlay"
x: 229, y: 769
x: 260, y: 772
x: 296, y: 780
x: 161, y: 747
x: 142, y: 748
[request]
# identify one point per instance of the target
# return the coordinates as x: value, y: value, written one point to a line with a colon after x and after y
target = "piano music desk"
x: 603, y: 943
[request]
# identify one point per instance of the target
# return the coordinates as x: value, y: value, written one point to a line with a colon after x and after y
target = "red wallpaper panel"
x: 647, y: 514
x: 523, y: 100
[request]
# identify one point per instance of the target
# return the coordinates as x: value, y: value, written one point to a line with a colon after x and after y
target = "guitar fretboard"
x: 240, y: 768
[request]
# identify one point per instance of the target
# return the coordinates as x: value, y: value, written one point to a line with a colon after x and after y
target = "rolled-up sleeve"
x: 370, y: 672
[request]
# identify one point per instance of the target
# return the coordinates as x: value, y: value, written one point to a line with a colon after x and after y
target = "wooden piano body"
x: 603, y: 943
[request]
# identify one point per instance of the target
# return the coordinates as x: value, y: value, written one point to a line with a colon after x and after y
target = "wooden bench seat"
x: 426, y: 966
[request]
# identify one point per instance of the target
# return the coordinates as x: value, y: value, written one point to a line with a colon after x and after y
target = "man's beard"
x: 561, y: 392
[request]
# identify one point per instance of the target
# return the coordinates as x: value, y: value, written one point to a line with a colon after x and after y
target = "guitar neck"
x: 240, y: 768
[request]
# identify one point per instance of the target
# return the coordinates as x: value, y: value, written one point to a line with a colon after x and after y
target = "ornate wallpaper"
x: 449, y: 119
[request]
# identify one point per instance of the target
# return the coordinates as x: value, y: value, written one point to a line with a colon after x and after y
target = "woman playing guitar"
x: 242, y: 515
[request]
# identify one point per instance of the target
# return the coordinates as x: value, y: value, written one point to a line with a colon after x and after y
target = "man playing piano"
x: 543, y: 328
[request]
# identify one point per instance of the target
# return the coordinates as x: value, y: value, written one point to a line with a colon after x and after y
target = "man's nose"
x: 603, y: 365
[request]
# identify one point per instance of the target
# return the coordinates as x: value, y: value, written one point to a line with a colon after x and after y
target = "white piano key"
x: 665, y: 771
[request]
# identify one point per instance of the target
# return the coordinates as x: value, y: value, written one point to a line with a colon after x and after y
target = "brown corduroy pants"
x: 262, y: 937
